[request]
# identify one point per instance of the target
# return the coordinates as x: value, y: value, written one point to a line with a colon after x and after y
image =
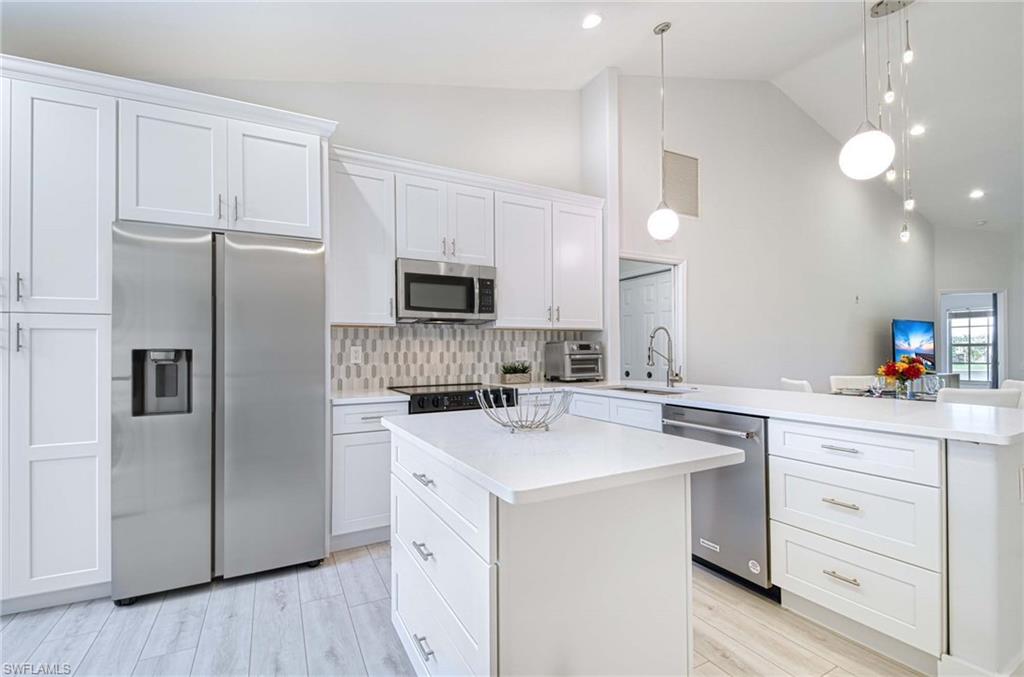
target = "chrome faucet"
x: 671, y: 375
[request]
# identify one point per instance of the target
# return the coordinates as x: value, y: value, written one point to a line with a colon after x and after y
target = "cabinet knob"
x: 444, y: 246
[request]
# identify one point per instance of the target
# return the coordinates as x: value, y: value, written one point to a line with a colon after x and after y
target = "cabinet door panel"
x: 422, y: 218
x: 522, y: 228
x: 59, y: 452
x: 361, y: 247
x: 274, y: 180
x: 5, y: 193
x: 62, y: 199
x: 361, y: 478
x: 471, y: 225
x: 173, y: 166
x: 577, y: 271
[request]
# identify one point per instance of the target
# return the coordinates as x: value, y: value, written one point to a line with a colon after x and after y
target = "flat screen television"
x: 915, y: 338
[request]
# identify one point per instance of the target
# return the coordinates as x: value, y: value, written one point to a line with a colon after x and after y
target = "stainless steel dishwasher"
x: 729, y: 505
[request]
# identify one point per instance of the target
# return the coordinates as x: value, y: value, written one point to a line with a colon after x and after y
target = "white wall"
x: 979, y: 260
x: 793, y: 269
x: 527, y: 135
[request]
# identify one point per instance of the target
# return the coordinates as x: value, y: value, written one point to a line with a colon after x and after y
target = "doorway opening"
x: 651, y: 295
x: 973, y: 336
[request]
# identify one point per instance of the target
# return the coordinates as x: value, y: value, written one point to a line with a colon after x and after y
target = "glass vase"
x: 903, y: 390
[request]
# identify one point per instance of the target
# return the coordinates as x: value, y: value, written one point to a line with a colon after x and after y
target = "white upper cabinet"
x: 62, y: 199
x: 173, y: 166
x: 470, y: 225
x: 5, y: 193
x: 59, y: 454
x: 361, y: 245
x: 422, y: 213
x: 273, y: 180
x: 522, y: 228
x: 578, y: 279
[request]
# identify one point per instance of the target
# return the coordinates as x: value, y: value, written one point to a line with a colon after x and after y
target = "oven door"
x: 432, y: 291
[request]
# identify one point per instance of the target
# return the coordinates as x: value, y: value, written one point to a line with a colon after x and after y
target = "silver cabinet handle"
x: 453, y: 246
x: 421, y: 548
x: 845, y: 450
x: 425, y: 650
x: 220, y: 206
x: 17, y: 338
x: 444, y: 246
x: 841, y: 504
x: 236, y: 208
x: 371, y: 418
x: 549, y: 314
x: 391, y: 306
x: 708, y: 428
x: 840, y: 577
x: 17, y: 286
x: 422, y: 479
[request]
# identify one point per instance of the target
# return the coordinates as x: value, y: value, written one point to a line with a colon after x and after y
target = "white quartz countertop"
x: 578, y: 455
x: 367, y: 397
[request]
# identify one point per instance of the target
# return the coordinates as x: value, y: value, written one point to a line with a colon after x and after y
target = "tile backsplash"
x: 420, y: 354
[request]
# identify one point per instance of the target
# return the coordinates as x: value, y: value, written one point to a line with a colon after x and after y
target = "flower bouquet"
x: 903, y: 372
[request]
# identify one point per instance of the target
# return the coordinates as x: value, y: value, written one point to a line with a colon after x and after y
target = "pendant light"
x: 870, y: 151
x: 908, y: 53
x: 663, y: 223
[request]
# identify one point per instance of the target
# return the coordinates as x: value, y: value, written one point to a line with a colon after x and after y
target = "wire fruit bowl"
x: 531, y: 411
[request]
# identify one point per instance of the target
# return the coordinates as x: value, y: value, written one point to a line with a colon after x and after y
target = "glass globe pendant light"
x: 663, y: 223
x: 870, y: 151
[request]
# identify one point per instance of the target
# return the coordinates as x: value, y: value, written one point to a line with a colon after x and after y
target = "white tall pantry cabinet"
x: 78, y: 151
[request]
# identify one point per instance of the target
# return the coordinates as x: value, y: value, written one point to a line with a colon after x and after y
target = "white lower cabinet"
x: 636, y: 414
x: 591, y: 406
x: 57, y: 460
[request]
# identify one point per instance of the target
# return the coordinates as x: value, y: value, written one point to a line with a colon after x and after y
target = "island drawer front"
x: 423, y: 621
x: 646, y: 415
x: 458, y: 573
x: 363, y: 418
x: 889, y: 517
x: 590, y: 406
x: 894, y: 598
x: 461, y: 504
x: 901, y: 457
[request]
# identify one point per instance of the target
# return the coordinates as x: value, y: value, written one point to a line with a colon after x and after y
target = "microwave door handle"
x: 476, y: 295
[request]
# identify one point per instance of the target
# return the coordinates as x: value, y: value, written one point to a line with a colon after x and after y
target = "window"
x: 972, y: 349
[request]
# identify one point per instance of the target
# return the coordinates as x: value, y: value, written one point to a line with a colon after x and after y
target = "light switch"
x: 355, y: 355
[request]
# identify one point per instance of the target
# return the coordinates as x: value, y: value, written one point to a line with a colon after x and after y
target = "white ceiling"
x: 966, y: 87
x: 506, y: 44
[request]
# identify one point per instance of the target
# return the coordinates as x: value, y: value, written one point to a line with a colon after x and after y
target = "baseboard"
x: 359, y: 538
x: 48, y: 599
x: 951, y: 666
x: 876, y: 641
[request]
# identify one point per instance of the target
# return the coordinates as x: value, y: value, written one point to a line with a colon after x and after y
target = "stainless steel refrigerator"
x: 219, y: 406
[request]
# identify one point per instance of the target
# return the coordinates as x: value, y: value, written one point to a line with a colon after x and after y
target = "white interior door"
x: 361, y: 480
x: 577, y: 273
x: 422, y: 218
x: 471, y: 225
x: 59, y: 452
x: 62, y: 199
x: 274, y: 180
x: 173, y: 166
x: 361, y: 247
x: 522, y: 249
x: 645, y: 302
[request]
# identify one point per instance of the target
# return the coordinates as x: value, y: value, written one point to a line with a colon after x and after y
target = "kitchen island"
x: 547, y: 552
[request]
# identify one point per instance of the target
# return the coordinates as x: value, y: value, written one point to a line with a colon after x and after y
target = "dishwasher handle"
x: 709, y: 428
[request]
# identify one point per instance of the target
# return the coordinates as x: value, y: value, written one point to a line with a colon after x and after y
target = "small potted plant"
x: 903, y: 372
x: 515, y: 372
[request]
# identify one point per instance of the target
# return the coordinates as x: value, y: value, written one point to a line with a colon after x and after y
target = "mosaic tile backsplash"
x: 421, y: 354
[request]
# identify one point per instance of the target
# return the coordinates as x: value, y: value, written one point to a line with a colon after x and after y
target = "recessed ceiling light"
x: 917, y: 130
x: 976, y: 194
x: 592, y: 21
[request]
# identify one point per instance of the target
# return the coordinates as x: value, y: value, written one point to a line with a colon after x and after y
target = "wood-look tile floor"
x: 336, y: 620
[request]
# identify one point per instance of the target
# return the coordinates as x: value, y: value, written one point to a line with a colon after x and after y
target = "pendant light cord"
x: 864, y: 50
x: 661, y: 157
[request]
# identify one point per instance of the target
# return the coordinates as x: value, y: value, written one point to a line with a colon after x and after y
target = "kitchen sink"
x: 652, y: 389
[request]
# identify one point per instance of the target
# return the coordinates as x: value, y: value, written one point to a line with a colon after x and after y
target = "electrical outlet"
x: 522, y: 354
x: 355, y: 355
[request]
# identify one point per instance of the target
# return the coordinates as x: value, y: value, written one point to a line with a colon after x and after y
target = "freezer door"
x: 162, y: 408
x: 271, y: 401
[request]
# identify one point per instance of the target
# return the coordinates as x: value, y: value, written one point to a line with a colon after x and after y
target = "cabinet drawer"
x: 453, y: 568
x: 897, y: 599
x: 646, y: 415
x: 591, y: 406
x: 425, y: 625
x: 914, y: 459
x: 897, y: 519
x: 461, y: 504
x: 363, y: 418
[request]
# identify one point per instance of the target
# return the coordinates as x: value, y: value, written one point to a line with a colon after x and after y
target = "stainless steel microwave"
x: 444, y: 293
